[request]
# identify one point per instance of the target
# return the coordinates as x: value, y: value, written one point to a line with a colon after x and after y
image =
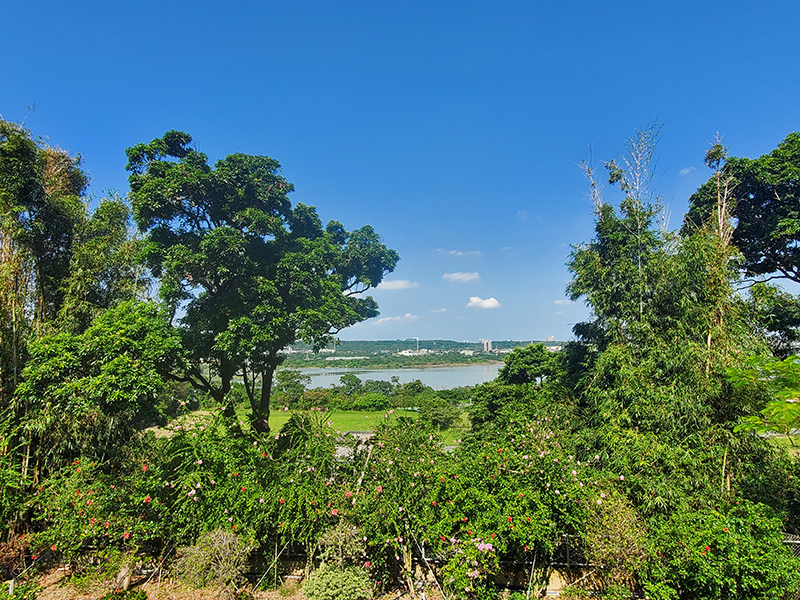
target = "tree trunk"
x: 259, y: 420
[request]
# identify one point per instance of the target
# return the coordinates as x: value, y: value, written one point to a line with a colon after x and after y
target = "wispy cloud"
x: 563, y: 302
x: 522, y: 215
x: 687, y: 170
x: 397, y: 284
x: 460, y: 252
x: 478, y: 302
x: 461, y: 276
x: 405, y: 317
x: 439, y: 310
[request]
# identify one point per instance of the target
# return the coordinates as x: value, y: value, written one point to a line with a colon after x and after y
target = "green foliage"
x: 22, y: 591
x: 90, y: 511
x: 290, y: 385
x: 528, y: 365
x: 103, y: 270
x: 776, y: 315
x: 254, y: 273
x: 470, y: 569
x: 615, y: 538
x: 734, y: 553
x: 330, y: 583
x: 764, y: 196
x: 85, y: 394
x: 782, y: 379
x: 219, y: 557
x: 41, y: 206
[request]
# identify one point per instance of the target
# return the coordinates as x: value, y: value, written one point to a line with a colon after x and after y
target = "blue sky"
x: 454, y: 128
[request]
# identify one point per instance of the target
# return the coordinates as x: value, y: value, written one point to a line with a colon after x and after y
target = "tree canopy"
x: 765, y: 201
x: 249, y: 273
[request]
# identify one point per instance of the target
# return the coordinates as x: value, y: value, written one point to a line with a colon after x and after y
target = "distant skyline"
x: 454, y: 129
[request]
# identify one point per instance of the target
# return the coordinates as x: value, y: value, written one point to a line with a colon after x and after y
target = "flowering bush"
x: 88, y: 507
x: 470, y: 568
x: 737, y: 553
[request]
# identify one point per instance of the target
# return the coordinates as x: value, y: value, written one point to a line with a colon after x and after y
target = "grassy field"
x: 350, y: 420
x: 355, y: 420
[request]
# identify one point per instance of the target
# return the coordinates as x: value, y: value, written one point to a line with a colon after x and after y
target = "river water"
x: 438, y: 378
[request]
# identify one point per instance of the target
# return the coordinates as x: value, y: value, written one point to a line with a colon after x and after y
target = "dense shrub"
x: 737, y: 553
x: 218, y: 558
x: 330, y: 583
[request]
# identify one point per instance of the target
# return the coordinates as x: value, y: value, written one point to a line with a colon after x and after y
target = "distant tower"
x: 487, y: 345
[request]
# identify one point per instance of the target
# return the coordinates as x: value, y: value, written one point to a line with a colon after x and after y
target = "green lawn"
x: 350, y: 420
x: 357, y: 420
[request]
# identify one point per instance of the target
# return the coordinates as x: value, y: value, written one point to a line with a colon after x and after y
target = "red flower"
x: 243, y: 488
x: 379, y: 489
x: 144, y: 468
x: 126, y: 535
x: 281, y: 500
x: 334, y: 512
x: 147, y: 499
x: 434, y: 503
x: 510, y: 519
x: 53, y: 547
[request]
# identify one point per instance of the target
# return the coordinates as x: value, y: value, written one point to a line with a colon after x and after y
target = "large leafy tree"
x: 247, y: 272
x: 765, y: 201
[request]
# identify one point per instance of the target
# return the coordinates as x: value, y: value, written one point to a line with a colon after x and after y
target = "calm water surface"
x: 439, y: 378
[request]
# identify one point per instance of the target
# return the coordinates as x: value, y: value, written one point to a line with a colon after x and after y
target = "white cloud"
x: 522, y: 215
x: 687, y: 170
x: 439, y: 310
x: 461, y: 252
x: 478, y: 302
x: 461, y: 276
x: 405, y: 317
x: 563, y: 302
x: 397, y: 284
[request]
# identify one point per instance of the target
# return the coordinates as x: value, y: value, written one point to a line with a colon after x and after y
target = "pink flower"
x: 380, y: 489
x: 622, y: 477
x: 144, y: 468
x: 126, y: 535
x: 334, y: 512
x: 348, y: 494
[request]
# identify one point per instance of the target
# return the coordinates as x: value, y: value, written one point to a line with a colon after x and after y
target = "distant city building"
x: 467, y: 352
x: 550, y: 338
x: 487, y: 345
